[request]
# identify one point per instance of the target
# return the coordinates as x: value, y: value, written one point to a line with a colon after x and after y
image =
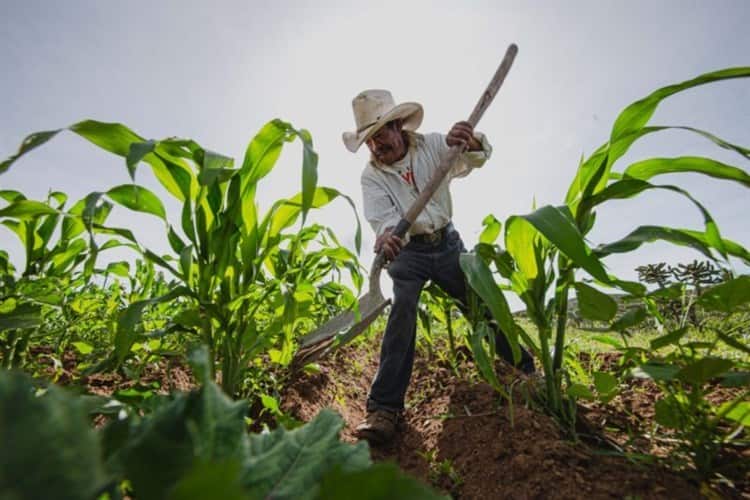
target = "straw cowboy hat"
x: 375, y: 108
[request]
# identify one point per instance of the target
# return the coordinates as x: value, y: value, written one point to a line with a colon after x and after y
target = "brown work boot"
x: 378, y: 427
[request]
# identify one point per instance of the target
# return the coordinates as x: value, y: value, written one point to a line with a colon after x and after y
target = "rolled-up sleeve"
x: 473, y: 159
x: 380, y: 210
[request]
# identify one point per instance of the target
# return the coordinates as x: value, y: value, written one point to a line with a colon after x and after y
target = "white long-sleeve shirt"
x: 389, y: 190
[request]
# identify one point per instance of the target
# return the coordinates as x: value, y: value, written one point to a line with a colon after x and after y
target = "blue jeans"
x: 415, y: 264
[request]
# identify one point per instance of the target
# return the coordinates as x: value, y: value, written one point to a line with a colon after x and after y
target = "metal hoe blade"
x: 344, y: 327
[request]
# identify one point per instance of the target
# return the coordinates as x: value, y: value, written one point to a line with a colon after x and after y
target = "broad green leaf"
x: 727, y: 297
x: 580, y: 391
x: 204, y: 426
x: 491, y: 230
x: 630, y: 318
x: 83, y: 347
x: 606, y: 385
x: 137, y: 198
x: 219, y: 479
x: 670, y: 339
x: 289, y: 464
x: 656, y: 372
x: 669, y: 413
x: 382, y: 481
x: 647, y: 169
x: 594, y: 304
x: 50, y: 449
x: 735, y: 379
x: 704, y: 369
x: 607, y: 340
x: 21, y: 316
x: 740, y: 413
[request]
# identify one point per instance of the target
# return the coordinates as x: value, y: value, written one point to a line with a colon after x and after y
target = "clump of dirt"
x: 461, y: 436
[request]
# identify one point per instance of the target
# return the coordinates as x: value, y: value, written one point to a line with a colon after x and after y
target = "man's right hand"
x: 389, y: 243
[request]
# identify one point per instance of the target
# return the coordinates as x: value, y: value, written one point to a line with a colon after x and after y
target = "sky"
x: 217, y: 71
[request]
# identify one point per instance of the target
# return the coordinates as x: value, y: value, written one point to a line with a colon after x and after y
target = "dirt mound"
x: 460, y: 436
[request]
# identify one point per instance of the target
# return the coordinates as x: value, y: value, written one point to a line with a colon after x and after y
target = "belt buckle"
x: 434, y: 238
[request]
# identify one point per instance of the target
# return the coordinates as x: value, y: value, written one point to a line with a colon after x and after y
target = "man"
x: 401, y: 164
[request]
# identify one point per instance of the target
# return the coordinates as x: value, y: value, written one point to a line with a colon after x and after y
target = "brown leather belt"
x: 432, y: 238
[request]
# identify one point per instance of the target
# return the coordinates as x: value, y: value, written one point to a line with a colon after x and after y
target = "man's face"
x: 387, y: 145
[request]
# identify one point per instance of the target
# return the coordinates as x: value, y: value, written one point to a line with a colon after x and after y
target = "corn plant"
x: 546, y: 248
x: 688, y: 371
x: 247, y: 273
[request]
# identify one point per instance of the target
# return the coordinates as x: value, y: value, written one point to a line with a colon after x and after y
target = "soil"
x: 164, y: 376
x: 460, y: 436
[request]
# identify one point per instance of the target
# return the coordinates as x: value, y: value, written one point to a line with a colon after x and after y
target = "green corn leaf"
x: 647, y: 169
x: 521, y: 243
x: 479, y: 278
x: 637, y: 114
x: 593, y: 173
x: 130, y: 319
x: 11, y: 195
x: 27, y: 209
x: 30, y: 142
x: 649, y: 234
x: 491, y: 230
x: 594, y: 304
x: 704, y: 369
x: 558, y: 228
x: 121, y: 268
x: 309, y: 171
x: 138, y: 198
x: 136, y: 152
x: 262, y: 153
x: 628, y: 188
x: 727, y: 297
x: 21, y: 316
x: 732, y: 248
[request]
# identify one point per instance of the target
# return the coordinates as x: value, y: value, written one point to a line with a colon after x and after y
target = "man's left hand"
x: 462, y: 133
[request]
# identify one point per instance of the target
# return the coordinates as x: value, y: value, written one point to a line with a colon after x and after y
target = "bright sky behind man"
x: 217, y: 71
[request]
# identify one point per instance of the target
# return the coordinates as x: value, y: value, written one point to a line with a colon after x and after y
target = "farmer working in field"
x: 401, y: 163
